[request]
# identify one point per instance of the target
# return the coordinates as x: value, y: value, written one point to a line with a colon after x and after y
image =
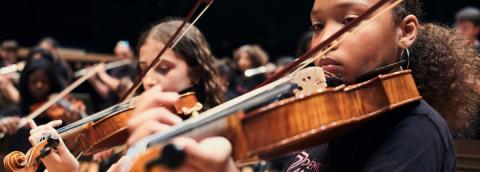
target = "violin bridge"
x: 192, y: 111
x: 308, y: 80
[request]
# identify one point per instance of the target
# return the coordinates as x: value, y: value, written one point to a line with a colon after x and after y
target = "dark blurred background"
x: 96, y: 25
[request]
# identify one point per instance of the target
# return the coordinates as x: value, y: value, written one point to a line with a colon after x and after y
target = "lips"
x: 330, y: 65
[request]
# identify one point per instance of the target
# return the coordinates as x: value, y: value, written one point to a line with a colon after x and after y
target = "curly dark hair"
x: 198, y: 56
x: 257, y: 56
x: 444, y: 67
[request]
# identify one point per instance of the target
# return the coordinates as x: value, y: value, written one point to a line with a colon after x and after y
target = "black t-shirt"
x: 412, y: 138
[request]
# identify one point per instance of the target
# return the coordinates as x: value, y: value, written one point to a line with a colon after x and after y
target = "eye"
x: 317, y: 26
x: 349, y: 19
x: 162, y: 69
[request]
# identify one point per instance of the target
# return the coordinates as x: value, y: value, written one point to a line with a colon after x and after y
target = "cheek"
x: 178, y: 80
x: 365, y: 51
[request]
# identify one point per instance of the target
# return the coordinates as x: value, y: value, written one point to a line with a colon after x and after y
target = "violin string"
x: 108, y: 111
x: 215, y: 112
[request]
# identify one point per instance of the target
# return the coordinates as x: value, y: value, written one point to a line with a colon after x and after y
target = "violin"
x: 309, y: 119
x: 98, y: 132
x: 58, y: 110
x: 299, y: 122
x: 108, y: 127
x: 112, y: 130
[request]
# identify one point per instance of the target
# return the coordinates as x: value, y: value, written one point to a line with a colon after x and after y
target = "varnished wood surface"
x: 295, y: 123
x: 301, y: 122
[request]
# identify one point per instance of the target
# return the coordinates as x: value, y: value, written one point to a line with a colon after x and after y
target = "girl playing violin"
x: 411, y: 138
x: 39, y: 81
x: 188, y: 67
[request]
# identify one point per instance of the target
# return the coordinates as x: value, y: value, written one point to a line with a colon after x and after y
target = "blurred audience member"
x: 226, y: 69
x: 113, y: 85
x: 248, y: 57
x: 281, y: 63
x: 468, y: 24
x: 9, y: 95
x: 52, y: 46
x: 8, y: 53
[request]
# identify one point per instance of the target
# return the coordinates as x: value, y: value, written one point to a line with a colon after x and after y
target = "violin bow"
x: 169, y: 45
x: 56, y: 98
x: 252, y: 97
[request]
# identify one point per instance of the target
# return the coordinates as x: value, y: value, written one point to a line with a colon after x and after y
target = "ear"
x: 409, y: 28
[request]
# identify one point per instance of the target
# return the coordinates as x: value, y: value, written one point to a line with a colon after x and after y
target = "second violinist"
x: 40, y: 80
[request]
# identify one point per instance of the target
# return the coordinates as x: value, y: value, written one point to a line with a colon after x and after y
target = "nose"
x: 150, y: 80
x: 38, y: 84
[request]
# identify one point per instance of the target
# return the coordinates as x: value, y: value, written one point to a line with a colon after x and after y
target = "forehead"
x: 151, y: 48
x: 323, y: 6
x: 37, y: 74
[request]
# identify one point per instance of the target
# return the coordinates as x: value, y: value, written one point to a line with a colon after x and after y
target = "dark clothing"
x: 243, y: 84
x: 412, y: 138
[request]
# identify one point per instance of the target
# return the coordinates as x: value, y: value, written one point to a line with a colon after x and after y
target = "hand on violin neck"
x: 59, y: 160
x: 39, y: 132
x: 150, y: 115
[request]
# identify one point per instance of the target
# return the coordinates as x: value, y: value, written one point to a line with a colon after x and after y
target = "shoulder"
x: 423, y: 120
x: 421, y: 141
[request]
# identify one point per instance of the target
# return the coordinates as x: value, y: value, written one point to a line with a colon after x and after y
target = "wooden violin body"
x: 58, y: 110
x: 98, y: 135
x: 313, y: 119
x: 302, y: 122
x: 112, y: 130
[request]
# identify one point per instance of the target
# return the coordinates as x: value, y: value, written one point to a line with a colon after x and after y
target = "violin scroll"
x: 14, y: 161
x: 18, y: 161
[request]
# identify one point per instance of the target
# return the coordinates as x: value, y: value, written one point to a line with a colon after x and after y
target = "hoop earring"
x: 408, y: 57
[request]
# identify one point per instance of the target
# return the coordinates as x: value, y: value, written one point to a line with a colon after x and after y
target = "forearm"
x: 102, y: 89
x: 111, y: 82
x: 11, y: 93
